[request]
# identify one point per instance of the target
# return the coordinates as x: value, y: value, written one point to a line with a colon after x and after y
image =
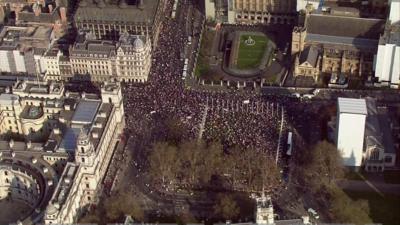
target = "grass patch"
x: 383, y: 210
x: 203, y: 63
x: 250, y: 56
x: 392, y: 177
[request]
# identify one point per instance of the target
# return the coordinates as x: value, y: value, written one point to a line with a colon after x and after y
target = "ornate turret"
x: 84, y: 148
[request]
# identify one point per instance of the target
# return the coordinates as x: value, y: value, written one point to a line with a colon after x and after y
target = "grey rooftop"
x: 352, y: 106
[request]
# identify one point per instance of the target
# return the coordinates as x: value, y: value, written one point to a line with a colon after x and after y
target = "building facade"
x: 251, y: 11
x: 387, y: 63
x: 96, y: 137
x: 58, y: 173
x: 22, y: 49
x: 109, y: 19
x: 345, y: 45
x: 29, y: 110
x: 129, y: 59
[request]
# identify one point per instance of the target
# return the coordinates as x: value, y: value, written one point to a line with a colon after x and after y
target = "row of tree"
x: 195, y: 164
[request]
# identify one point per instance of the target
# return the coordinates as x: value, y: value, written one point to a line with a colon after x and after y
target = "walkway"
x: 368, y: 186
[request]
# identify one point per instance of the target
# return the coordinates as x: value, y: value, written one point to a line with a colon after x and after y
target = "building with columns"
x: 251, y: 11
x: 69, y: 139
x: 96, y: 126
x: 128, y: 59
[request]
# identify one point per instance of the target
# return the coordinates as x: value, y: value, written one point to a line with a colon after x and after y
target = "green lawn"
x: 249, y: 56
x: 383, y: 210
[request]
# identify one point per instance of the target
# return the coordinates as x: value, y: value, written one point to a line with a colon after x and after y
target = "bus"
x: 289, y: 144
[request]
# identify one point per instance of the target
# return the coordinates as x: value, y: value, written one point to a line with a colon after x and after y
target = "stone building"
x: 95, y: 127
x: 129, y: 59
x: 346, y: 45
x: 28, y: 111
x: 133, y: 60
x: 58, y: 173
x: 308, y: 63
x: 22, y: 49
x: 108, y: 19
x: 251, y: 11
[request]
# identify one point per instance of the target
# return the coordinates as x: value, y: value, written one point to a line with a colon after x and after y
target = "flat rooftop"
x: 352, y: 106
x: 85, y: 112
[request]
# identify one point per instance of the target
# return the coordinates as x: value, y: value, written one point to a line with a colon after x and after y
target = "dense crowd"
x: 164, y: 105
x: 244, y: 119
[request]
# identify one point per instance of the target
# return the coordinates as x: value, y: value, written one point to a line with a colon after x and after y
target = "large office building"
x: 364, y: 134
x: 328, y: 44
x: 251, y: 11
x: 22, y: 49
x: 387, y: 62
x: 109, y: 19
x: 69, y: 140
x: 129, y: 59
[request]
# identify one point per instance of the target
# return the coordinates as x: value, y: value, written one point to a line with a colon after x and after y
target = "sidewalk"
x: 380, y: 188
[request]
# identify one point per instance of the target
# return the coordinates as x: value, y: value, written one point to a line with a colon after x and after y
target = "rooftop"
x: 352, y: 105
x: 85, y: 112
x: 341, y: 26
x: 112, y: 11
x: 25, y: 37
x: 8, y: 99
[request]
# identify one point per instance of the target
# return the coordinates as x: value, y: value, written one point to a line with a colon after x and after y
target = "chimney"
x: 63, y: 14
x: 50, y: 8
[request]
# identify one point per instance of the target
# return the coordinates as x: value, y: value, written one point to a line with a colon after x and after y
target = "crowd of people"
x: 164, y: 104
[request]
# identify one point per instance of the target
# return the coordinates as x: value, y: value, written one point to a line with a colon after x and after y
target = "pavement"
x: 370, y: 186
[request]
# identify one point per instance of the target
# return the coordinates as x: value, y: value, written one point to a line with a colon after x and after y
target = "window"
x: 374, y: 154
x: 82, y: 149
x: 87, y: 185
x: 388, y: 159
x: 6, y: 173
x: 83, y: 160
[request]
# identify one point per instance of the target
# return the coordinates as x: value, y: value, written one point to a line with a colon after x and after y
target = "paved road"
x: 367, y: 186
